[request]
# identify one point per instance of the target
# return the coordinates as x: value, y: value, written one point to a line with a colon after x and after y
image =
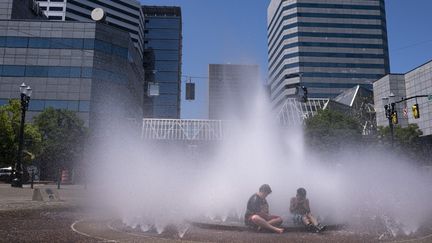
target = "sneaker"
x: 320, y: 228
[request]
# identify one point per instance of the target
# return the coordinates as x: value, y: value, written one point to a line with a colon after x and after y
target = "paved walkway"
x: 12, y: 198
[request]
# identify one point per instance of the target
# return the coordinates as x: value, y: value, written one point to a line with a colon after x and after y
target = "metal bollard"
x: 32, y: 178
x: 58, y: 179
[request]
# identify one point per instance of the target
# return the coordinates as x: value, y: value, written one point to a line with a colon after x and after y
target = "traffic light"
x: 394, y: 118
x: 416, y: 111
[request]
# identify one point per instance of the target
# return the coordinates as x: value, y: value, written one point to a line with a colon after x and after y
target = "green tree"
x: 407, y: 141
x: 63, y: 140
x: 10, y: 120
x: 403, y: 136
x: 329, y: 130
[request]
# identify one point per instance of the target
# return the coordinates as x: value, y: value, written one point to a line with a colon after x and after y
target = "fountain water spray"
x: 152, y: 186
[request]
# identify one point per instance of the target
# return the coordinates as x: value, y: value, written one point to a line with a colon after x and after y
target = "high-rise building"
x: 231, y: 88
x: 83, y: 66
x: 417, y: 82
x: 326, y: 45
x: 122, y: 14
x: 162, y: 60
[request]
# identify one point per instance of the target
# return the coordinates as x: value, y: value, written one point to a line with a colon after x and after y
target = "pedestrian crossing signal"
x: 416, y: 111
x: 394, y: 118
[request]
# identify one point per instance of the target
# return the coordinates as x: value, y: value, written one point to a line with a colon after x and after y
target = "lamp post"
x: 26, y: 92
x: 389, y: 109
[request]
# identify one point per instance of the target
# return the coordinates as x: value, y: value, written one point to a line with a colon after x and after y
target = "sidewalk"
x: 12, y: 198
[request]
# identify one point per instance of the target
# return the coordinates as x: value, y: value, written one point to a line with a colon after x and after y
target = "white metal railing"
x: 293, y: 112
x: 182, y: 129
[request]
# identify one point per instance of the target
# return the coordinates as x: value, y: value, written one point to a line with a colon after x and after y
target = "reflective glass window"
x: 13, y: 71
x: 75, y: 72
x: 39, y: 42
x: 56, y: 104
x: 36, y: 71
x: 167, y: 65
x: 89, y: 43
x: 56, y: 8
x: 163, y: 34
x: 73, y: 105
x: 103, y: 46
x: 84, y: 106
x: 58, y: 71
x: 163, y: 44
x: 3, y: 102
x: 52, y: 17
x: 164, y: 23
x: 168, y: 88
x: 37, y: 105
x: 165, y: 100
x: 2, y: 41
x: 166, y: 55
x: 165, y: 111
x: 120, y: 51
x: 86, y: 72
x: 16, y: 41
x: 167, y: 76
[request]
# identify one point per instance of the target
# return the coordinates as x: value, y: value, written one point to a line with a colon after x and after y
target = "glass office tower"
x: 162, y: 60
x: 327, y: 46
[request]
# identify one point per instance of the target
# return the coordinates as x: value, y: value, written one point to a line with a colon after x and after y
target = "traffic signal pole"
x: 391, y: 114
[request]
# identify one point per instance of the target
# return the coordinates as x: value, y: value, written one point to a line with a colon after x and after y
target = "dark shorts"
x: 266, y: 217
x: 298, y: 219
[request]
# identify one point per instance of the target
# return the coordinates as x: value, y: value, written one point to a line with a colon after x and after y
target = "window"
x: 37, y: 105
x: 13, y: 71
x: 169, y: 88
x: 166, y: 55
x: 58, y: 71
x: 164, y: 44
x: 16, y: 41
x: 56, y: 8
x: 173, y: 23
x: 120, y: 51
x: 75, y: 72
x: 36, y: 71
x: 86, y: 72
x: 89, y: 43
x: 84, y: 106
x: 103, y: 46
x: 73, y: 105
x: 55, y: 17
x: 39, y: 43
x: 56, y: 104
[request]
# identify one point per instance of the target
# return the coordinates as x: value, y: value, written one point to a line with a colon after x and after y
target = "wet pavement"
x: 70, y: 220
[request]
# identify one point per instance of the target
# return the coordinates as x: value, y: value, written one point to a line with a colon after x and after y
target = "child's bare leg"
x: 276, y: 221
x: 312, y: 219
x: 264, y: 224
x: 306, y: 220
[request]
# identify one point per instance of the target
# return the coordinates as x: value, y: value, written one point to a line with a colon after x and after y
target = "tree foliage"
x: 63, y: 139
x: 403, y: 136
x: 10, y: 120
x: 329, y: 130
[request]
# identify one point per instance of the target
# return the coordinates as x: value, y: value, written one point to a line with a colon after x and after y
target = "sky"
x: 235, y: 31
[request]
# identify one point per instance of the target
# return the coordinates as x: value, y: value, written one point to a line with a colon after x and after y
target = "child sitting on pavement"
x: 299, y: 207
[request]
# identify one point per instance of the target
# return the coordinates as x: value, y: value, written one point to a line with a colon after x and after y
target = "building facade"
x: 415, y: 82
x: 231, y: 88
x: 87, y: 67
x: 122, y: 14
x: 330, y: 45
x: 162, y: 60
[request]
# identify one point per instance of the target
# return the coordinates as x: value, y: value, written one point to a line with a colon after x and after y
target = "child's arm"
x: 293, y: 205
x: 307, y: 206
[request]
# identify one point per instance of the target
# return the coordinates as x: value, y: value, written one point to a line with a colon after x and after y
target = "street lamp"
x: 26, y: 92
